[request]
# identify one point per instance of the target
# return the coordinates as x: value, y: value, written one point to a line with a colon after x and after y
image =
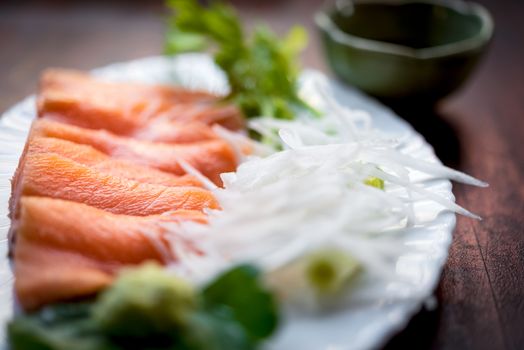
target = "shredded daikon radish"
x: 311, y: 194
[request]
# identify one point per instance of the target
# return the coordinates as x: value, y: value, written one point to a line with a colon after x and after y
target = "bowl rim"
x: 324, y: 21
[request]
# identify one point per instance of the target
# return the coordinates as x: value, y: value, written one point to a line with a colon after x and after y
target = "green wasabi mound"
x: 144, y: 302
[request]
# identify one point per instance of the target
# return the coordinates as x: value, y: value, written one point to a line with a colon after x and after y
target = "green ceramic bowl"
x: 404, y: 50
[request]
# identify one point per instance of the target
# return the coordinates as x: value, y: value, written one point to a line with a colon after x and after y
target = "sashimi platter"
x: 216, y: 201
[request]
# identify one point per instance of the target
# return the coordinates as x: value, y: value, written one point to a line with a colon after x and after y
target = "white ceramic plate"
x: 366, y: 324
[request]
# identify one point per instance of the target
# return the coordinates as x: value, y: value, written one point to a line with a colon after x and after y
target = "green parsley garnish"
x: 261, y: 68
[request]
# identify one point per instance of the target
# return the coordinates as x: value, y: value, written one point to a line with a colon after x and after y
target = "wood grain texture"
x: 480, y: 130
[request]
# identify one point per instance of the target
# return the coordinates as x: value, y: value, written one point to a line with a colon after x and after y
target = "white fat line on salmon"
x: 188, y: 168
x: 158, y: 246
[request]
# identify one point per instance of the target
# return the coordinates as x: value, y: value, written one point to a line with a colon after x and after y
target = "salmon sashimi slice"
x: 67, y: 250
x: 52, y: 175
x: 160, y: 130
x: 97, y: 160
x: 133, y: 109
x: 211, y: 158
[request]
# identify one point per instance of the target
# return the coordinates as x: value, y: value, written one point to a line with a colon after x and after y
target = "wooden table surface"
x: 480, y: 131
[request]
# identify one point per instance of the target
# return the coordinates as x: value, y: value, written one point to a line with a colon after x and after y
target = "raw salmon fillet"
x: 211, y: 158
x: 67, y: 250
x: 102, y: 171
x: 155, y: 113
x: 89, y: 156
x: 52, y: 175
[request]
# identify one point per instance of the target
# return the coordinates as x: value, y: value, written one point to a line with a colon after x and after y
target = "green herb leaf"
x: 179, y: 41
x: 262, y: 69
x: 251, y: 304
x: 57, y: 327
x: 215, y: 329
